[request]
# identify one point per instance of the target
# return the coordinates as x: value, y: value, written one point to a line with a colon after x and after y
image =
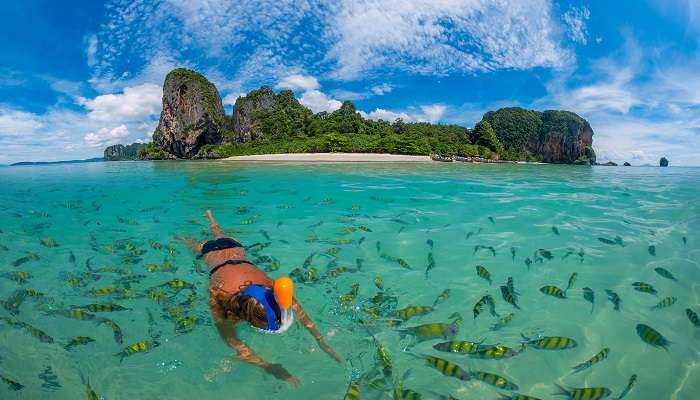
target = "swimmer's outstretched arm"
x: 309, y: 325
x: 227, y: 330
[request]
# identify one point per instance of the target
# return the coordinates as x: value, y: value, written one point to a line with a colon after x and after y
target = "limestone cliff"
x: 120, y: 152
x: 192, y: 115
x: 553, y: 136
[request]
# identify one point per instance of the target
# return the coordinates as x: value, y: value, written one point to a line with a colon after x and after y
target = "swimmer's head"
x: 257, y: 305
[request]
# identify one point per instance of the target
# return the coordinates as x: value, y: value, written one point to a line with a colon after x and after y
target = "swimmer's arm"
x: 227, y: 330
x: 309, y: 325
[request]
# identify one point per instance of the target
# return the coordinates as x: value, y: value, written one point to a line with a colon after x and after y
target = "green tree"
x: 484, y: 135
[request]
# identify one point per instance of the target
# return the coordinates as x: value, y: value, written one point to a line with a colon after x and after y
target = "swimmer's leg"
x: 215, y: 228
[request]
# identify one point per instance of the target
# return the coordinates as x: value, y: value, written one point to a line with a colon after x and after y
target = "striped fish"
x: 385, y: 360
x: 551, y: 343
x: 508, y: 296
x: 494, y: 380
x: 432, y: 331
x: 602, y: 355
x: 353, y: 392
x: 652, y: 336
x: 497, y: 352
x: 460, y: 346
x: 517, y: 396
x: 643, y: 287
x: 665, y: 273
x: 614, y: 298
x: 630, y: 384
x: 665, y: 302
x: 589, y: 296
x: 572, y: 280
x: 553, y: 291
x: 447, y: 368
x: 502, y: 322
x: 594, y: 393
x: 693, y: 317
x: 482, y: 272
x: 511, y: 287
x: 442, y: 297
x: 412, y: 311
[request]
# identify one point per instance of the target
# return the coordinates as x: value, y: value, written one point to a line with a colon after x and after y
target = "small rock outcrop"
x: 663, y: 162
x: 119, y: 152
x: 192, y: 115
x: 626, y: 164
x: 609, y: 164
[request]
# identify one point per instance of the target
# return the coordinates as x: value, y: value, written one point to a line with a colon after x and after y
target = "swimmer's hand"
x: 278, y: 371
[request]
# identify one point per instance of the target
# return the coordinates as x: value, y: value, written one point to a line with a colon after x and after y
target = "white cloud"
x: 433, y: 112
x: 105, y: 137
x: 439, y: 37
x: 575, y: 19
x: 15, y: 123
x: 382, y: 89
x: 428, y: 113
x: 230, y: 99
x: 91, y: 50
x: 318, y: 101
x: 298, y: 82
x: 134, y: 103
x: 261, y: 42
x: 386, y: 115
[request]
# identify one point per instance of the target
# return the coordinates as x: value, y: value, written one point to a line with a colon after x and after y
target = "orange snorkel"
x: 284, y: 293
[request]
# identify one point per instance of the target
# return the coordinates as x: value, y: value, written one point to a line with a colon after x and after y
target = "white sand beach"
x: 332, y: 157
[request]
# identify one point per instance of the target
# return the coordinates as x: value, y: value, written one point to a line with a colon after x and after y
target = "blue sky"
x: 76, y: 76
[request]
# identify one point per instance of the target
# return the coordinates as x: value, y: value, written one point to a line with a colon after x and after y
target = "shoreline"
x: 332, y: 157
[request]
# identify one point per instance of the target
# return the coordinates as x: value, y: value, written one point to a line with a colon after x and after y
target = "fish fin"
x: 563, y: 391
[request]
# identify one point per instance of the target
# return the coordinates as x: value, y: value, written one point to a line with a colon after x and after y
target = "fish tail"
x: 579, y: 368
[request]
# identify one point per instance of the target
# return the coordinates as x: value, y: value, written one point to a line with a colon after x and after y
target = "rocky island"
x: 194, y: 125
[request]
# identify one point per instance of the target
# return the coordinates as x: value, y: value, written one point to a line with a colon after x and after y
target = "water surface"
x: 102, y: 212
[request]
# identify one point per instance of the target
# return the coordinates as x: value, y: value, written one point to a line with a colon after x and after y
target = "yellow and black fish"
x: 101, y: 291
x: 572, y: 280
x: 433, y: 330
x: 116, y: 330
x: 17, y: 276
x: 517, y: 396
x: 385, y: 360
x: 551, y: 343
x: 494, y: 380
x: 352, y: 392
x: 351, y: 295
x: 78, y: 340
x: 496, y: 352
x: 693, y: 317
x: 665, y: 273
x: 508, y: 296
x: 652, y: 336
x: 502, y: 322
x: 665, y: 302
x: 600, y: 356
x: 138, y: 347
x: 378, y: 282
x: 460, y: 346
x: 482, y: 272
x: 442, y: 297
x: 594, y: 393
x: 630, y: 385
x: 412, y: 311
x: 643, y: 287
x: 553, y: 291
x: 447, y: 368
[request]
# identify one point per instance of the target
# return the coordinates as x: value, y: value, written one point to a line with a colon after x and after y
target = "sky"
x: 77, y: 76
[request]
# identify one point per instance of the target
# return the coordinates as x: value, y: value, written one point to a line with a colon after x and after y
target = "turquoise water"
x: 101, y: 212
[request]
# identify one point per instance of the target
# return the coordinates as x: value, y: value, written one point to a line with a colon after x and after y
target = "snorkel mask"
x: 277, y: 304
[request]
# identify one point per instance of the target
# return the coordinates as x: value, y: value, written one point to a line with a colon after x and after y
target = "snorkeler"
x: 239, y: 291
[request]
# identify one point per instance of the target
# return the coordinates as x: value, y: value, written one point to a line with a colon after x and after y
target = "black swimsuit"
x: 221, y: 244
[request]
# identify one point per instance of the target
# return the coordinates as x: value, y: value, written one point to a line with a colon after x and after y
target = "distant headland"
x: 193, y: 125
